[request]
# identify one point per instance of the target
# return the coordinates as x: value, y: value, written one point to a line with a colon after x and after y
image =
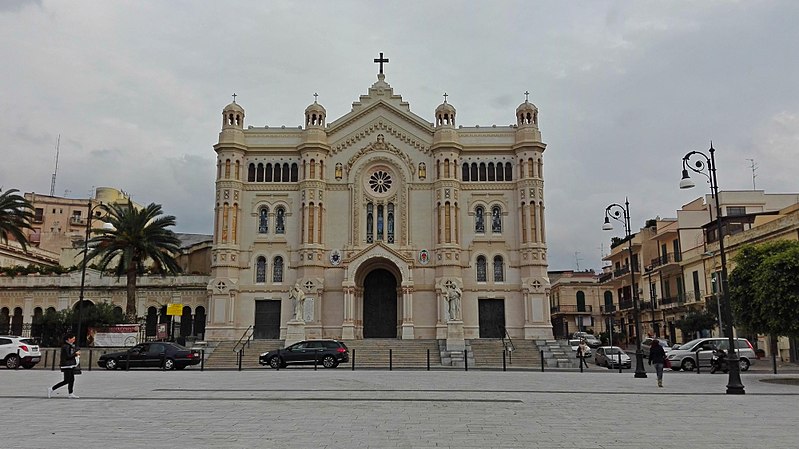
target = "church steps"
x: 223, y: 355
x: 488, y: 354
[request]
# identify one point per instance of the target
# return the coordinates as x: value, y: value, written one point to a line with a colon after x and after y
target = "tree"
x: 764, y: 288
x: 16, y: 214
x: 135, y: 236
x: 695, y: 321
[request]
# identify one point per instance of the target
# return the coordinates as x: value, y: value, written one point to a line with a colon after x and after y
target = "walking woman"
x: 70, y: 355
x: 657, y: 357
x: 582, y: 353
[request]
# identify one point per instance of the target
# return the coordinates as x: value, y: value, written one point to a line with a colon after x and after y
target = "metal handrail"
x: 509, y: 345
x: 240, y: 344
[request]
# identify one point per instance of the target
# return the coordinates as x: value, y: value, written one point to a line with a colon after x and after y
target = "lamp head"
x: 686, y: 182
x: 607, y: 226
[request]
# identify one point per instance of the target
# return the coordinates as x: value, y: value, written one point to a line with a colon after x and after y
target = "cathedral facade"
x: 374, y: 220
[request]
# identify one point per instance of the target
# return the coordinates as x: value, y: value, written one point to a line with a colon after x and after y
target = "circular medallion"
x: 335, y: 257
x: 424, y: 257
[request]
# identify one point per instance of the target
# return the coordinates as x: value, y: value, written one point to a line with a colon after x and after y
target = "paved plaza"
x: 303, y: 408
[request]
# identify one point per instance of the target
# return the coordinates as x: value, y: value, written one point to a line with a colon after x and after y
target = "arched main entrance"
x: 380, y: 304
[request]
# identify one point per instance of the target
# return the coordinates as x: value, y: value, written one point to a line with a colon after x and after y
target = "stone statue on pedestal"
x: 298, y: 301
x: 453, y: 296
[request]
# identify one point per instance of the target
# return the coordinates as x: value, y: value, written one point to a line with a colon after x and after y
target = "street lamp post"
x: 622, y: 214
x: 89, y: 218
x: 706, y: 166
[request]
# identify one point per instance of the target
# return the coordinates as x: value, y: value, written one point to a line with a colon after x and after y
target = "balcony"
x: 626, y: 304
x: 672, y: 301
x: 570, y: 308
x: 607, y: 309
x: 77, y: 220
x: 694, y: 296
x: 605, y: 277
x: 665, y: 260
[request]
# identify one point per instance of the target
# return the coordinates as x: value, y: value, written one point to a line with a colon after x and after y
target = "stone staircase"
x: 222, y: 356
x: 374, y: 353
x: 557, y: 353
x: 488, y: 354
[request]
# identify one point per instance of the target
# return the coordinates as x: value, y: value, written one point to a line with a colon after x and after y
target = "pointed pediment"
x: 378, y: 249
x: 380, y: 96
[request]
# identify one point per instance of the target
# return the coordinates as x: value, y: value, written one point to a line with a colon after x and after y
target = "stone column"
x: 407, y: 313
x: 348, y: 326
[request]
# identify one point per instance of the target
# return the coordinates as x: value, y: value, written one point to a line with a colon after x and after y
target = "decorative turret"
x: 445, y: 114
x: 445, y: 134
x: 315, y: 115
x: 232, y: 123
x: 527, y: 122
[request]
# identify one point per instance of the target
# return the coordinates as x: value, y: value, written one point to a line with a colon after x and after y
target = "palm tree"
x: 135, y: 235
x: 16, y: 214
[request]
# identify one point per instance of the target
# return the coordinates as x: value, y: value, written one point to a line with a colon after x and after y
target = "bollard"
x: 620, y: 361
x: 390, y: 360
x: 773, y: 361
x: 465, y: 360
x: 127, y: 362
x: 580, y: 362
x: 542, y: 360
x: 353, y: 360
x: 44, y: 356
x: 697, y: 361
x: 52, y: 368
x: 90, y: 359
x: 428, y: 360
x: 504, y: 368
x: 202, y: 360
x: 163, y: 361
x: 240, y: 360
x: 315, y: 360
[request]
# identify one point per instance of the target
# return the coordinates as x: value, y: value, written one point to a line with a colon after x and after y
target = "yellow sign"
x: 174, y: 309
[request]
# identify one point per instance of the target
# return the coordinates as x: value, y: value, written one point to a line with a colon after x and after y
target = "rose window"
x: 380, y: 181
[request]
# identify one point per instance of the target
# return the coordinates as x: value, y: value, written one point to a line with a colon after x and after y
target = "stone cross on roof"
x: 380, y: 61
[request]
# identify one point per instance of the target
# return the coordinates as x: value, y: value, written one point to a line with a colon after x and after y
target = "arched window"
x: 482, y: 171
x: 508, y: 172
x: 481, y: 269
x: 277, y: 270
x: 380, y: 212
x: 496, y: 219
x: 446, y: 168
x: 473, y: 174
x: 276, y: 174
x: 238, y: 170
x: 199, y: 322
x: 286, y: 174
x: 491, y: 172
x: 499, y: 269
x: 390, y: 220
x: 294, y: 170
x: 185, y: 322
x: 581, y: 301
x: 151, y: 324
x: 251, y: 173
x: 479, y: 220
x: 227, y: 168
x: 260, y: 269
x: 465, y: 170
x: 500, y: 172
x: 370, y: 219
x: 263, y: 220
x: 608, y: 302
x: 268, y: 173
x: 280, y: 225
x: 530, y: 168
x: 313, y: 169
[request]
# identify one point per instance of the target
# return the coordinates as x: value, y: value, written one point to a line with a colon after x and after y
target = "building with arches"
x: 375, y: 215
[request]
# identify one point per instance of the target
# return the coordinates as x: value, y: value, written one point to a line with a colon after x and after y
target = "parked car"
x: 328, y: 353
x: 18, y: 351
x: 590, y: 339
x: 155, y: 354
x: 574, y: 343
x: 685, y: 356
x: 647, y: 344
x: 609, y: 356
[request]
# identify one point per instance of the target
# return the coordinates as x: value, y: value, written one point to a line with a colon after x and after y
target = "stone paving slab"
x: 303, y: 408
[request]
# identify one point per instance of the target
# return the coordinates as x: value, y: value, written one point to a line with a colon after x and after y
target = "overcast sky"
x: 624, y: 90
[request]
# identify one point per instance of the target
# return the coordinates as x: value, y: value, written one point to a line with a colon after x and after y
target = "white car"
x: 611, y: 357
x: 18, y: 351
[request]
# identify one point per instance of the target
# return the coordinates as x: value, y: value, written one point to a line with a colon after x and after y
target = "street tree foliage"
x: 135, y: 237
x: 764, y: 288
x: 696, y: 321
x: 16, y: 215
x: 51, y: 327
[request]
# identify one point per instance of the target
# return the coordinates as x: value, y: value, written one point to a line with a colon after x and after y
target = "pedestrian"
x: 582, y: 353
x: 70, y: 355
x: 657, y: 357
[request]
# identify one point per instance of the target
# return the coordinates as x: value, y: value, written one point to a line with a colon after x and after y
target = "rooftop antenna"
x: 577, y: 260
x: 602, y: 251
x: 753, y: 166
x: 52, y: 181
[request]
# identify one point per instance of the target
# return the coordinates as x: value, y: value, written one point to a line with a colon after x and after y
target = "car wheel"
x: 688, y: 365
x: 275, y: 362
x: 110, y: 364
x: 744, y: 364
x: 169, y: 364
x: 329, y: 361
x: 12, y: 362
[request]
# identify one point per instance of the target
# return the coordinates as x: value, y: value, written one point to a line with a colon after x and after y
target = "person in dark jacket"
x: 70, y: 354
x: 657, y: 357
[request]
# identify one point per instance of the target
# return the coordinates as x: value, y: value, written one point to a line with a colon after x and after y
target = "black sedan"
x: 328, y: 353
x: 151, y: 355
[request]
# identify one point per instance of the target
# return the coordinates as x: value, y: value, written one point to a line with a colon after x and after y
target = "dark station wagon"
x: 155, y: 354
x: 328, y: 353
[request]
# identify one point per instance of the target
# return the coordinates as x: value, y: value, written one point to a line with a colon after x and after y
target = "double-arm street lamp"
x: 706, y: 166
x: 89, y: 218
x: 622, y: 214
